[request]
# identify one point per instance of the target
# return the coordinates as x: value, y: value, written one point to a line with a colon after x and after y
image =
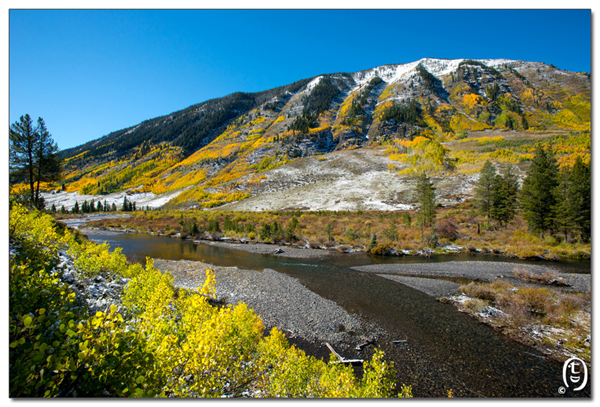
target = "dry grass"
x: 476, y: 304
x: 547, y: 277
x: 557, y: 320
x: 484, y: 292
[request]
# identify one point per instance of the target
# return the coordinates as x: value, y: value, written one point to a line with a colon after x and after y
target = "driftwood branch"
x: 362, y: 345
x: 341, y: 359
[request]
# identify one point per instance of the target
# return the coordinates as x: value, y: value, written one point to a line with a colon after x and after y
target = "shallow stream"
x: 484, y: 362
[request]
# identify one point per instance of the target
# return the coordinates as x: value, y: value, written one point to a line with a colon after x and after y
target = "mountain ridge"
x: 214, y: 152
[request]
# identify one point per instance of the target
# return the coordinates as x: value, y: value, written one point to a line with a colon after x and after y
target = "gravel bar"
x: 279, y: 299
x: 433, y: 287
x: 276, y: 250
x: 429, y: 277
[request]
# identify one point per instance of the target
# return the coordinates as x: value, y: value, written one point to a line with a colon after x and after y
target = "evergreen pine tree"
x: 329, y: 231
x: 426, y: 199
x: 373, y: 242
x: 407, y: 220
x: 537, y: 195
x: 562, y: 210
x: 33, y: 157
x: 580, y: 193
x: 505, y: 190
x: 485, y: 190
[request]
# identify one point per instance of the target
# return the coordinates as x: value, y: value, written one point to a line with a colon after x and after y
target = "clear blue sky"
x: 88, y: 73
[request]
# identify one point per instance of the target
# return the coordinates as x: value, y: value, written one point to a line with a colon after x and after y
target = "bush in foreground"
x: 155, y: 341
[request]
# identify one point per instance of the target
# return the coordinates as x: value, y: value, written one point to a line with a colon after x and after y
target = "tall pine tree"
x: 504, y: 200
x: 485, y: 189
x: 33, y: 156
x: 580, y: 194
x: 427, y: 203
x: 562, y: 211
x: 538, y: 193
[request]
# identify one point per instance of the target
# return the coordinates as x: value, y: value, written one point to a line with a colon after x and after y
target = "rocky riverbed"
x: 280, y: 300
x: 309, y: 321
x: 276, y: 250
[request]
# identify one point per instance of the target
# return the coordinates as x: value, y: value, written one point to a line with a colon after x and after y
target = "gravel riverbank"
x: 444, y: 278
x: 309, y: 321
x: 276, y: 250
x: 280, y: 300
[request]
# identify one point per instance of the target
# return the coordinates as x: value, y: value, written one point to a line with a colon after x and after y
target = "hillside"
x: 345, y: 140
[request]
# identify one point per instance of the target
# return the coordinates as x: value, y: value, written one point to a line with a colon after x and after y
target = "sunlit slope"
x: 445, y: 117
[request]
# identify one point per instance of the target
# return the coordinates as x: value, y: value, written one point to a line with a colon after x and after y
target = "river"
x: 445, y: 343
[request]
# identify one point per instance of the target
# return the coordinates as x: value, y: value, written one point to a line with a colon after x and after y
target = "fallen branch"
x: 362, y: 345
x: 341, y: 359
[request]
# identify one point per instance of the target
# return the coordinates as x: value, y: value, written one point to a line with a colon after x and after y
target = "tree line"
x: 553, y: 201
x: 91, y: 207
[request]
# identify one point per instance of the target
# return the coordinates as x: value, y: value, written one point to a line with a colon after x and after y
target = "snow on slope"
x: 68, y: 199
x: 437, y: 67
x: 345, y: 180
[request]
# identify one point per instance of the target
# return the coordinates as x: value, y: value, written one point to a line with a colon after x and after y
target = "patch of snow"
x: 437, y: 67
x: 452, y: 248
x: 132, y: 130
x: 491, y: 312
x: 143, y: 199
x: 313, y: 83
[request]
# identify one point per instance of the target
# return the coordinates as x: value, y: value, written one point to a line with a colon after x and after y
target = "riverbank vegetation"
x: 153, y: 341
x: 554, y: 321
x: 459, y: 229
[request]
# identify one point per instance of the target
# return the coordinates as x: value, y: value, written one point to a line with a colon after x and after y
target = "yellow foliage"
x: 527, y: 96
x: 472, y: 100
x: 420, y: 154
x: 482, y: 141
x: 19, y: 188
x: 460, y: 122
x: 568, y: 120
x: 432, y: 123
x: 387, y: 93
x: 569, y: 159
x: 210, y: 284
x: 258, y: 120
x: 166, y: 343
x: 80, y: 184
x: 318, y: 129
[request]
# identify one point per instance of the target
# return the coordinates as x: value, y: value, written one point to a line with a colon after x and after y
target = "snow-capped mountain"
x: 222, y: 150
